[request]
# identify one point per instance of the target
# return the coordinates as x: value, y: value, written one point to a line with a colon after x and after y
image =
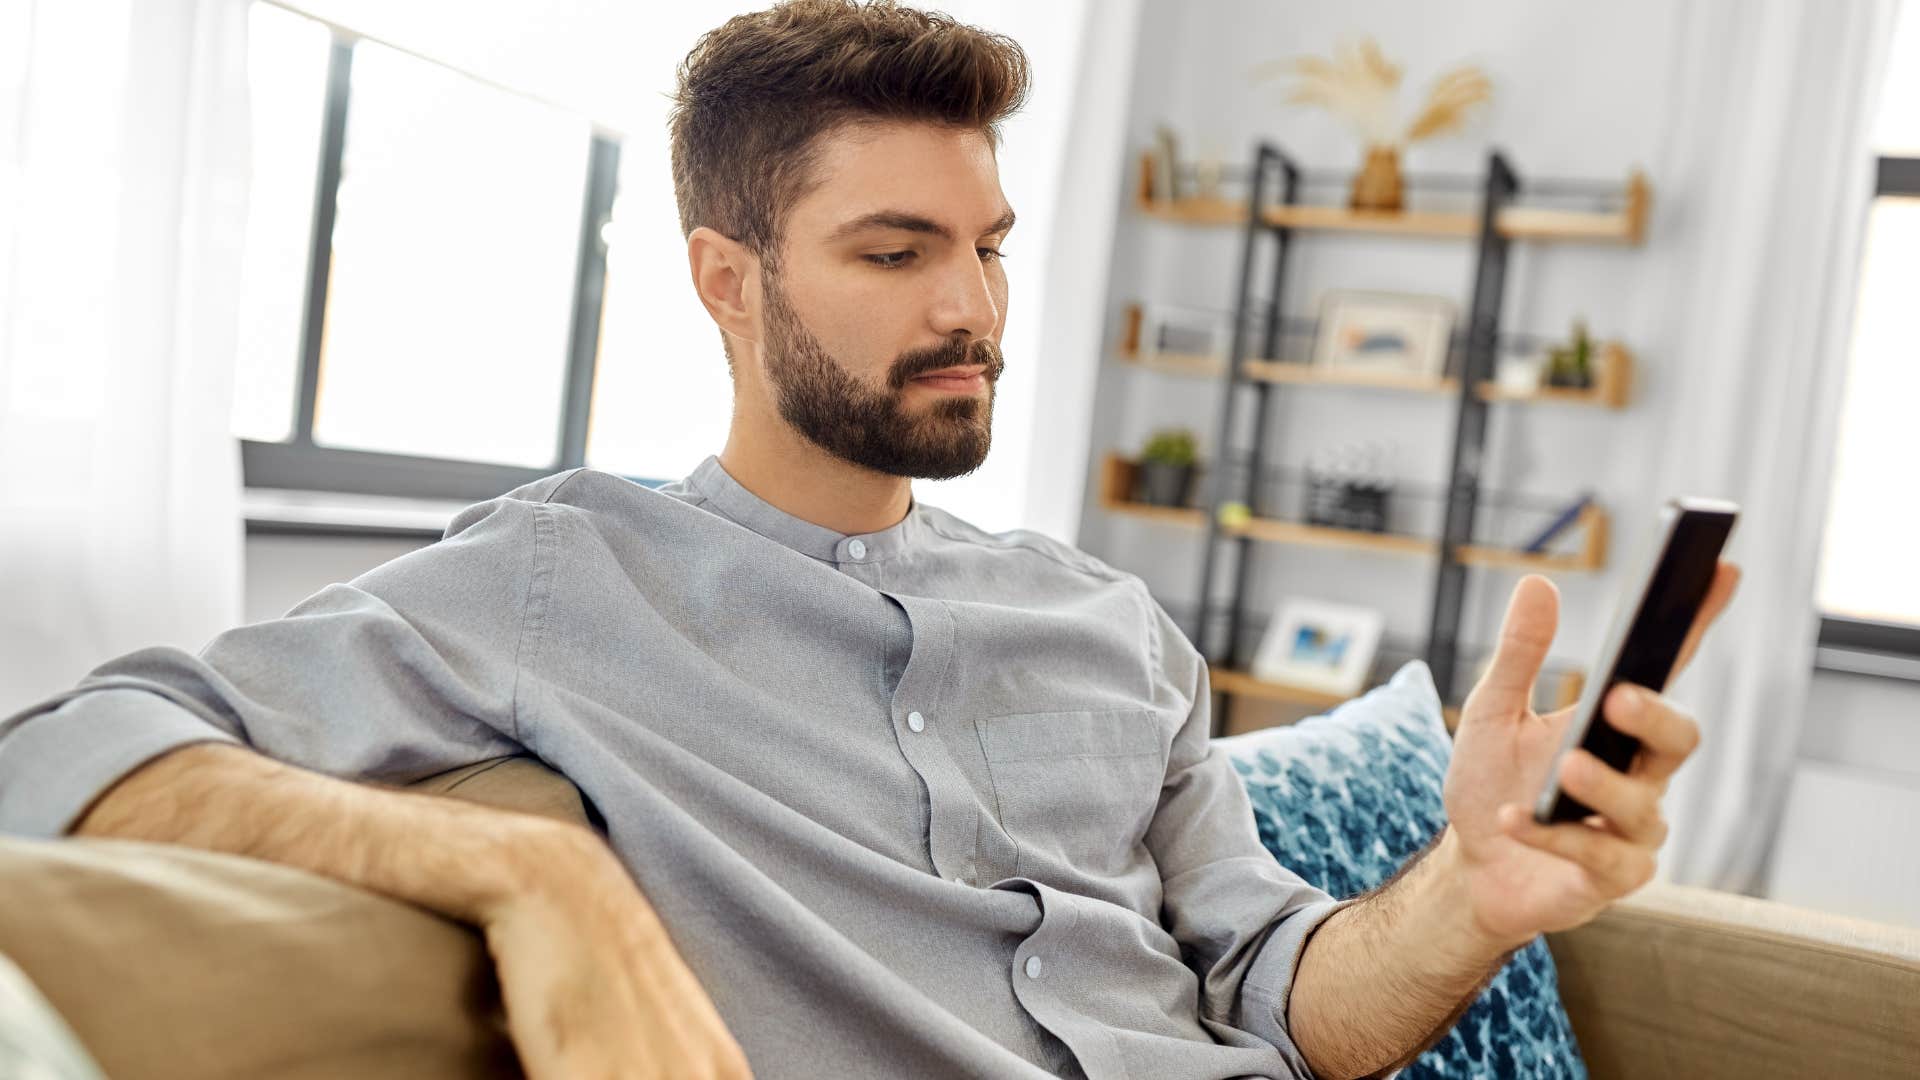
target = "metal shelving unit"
x: 1273, y: 214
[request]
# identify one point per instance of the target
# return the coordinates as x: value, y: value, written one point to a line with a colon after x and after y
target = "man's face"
x: 882, y: 322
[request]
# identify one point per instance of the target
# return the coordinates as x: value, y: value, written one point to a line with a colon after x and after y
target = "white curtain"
x: 1757, y: 244
x: 123, y: 190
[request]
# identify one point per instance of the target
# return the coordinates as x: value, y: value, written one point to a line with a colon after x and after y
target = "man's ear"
x: 722, y: 268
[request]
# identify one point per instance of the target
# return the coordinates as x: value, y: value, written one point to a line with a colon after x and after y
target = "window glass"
x: 454, y: 251
x: 287, y: 80
x: 662, y: 397
x: 1872, y: 522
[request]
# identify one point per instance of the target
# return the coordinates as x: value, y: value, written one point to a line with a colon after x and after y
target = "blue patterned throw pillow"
x: 1343, y: 800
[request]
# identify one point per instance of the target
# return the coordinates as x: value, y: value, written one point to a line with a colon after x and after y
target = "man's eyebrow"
x: 910, y: 222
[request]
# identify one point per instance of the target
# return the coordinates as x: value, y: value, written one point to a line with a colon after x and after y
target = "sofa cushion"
x: 1344, y: 800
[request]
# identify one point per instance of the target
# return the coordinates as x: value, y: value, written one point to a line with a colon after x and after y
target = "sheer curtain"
x: 123, y: 190
x: 1771, y: 176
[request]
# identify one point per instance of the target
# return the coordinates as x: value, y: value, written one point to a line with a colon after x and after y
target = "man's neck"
x: 783, y: 469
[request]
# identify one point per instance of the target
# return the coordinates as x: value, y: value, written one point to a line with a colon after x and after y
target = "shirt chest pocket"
x: 1075, y: 790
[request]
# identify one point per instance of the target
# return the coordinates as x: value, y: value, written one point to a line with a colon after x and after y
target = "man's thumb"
x: 1525, y: 636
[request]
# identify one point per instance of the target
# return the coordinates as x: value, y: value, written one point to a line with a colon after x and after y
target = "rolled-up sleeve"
x: 408, y: 670
x: 1241, y: 918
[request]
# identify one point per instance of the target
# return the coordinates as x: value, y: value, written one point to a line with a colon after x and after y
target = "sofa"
x: 172, y: 963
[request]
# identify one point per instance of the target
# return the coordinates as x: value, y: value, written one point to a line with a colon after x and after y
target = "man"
x: 900, y: 798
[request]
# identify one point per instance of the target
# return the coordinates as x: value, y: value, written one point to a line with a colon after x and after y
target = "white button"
x: 916, y: 721
x: 857, y: 548
x: 1033, y: 967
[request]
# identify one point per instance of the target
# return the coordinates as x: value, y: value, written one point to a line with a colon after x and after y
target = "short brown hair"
x: 757, y: 93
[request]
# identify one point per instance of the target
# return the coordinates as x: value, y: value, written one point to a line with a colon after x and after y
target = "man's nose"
x: 966, y: 301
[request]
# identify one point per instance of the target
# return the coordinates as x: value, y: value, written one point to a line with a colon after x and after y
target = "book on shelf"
x: 1560, y: 524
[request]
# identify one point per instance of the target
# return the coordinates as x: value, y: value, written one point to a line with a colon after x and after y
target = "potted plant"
x: 1166, y: 468
x: 1572, y: 365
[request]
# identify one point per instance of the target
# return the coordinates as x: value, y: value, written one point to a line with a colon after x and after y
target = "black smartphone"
x: 1648, y: 630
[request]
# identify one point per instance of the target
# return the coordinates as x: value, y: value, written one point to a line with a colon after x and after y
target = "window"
x: 424, y: 270
x: 1869, y: 589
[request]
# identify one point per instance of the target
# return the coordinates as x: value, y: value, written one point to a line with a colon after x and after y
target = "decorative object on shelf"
x: 1563, y: 521
x: 1167, y: 329
x: 1166, y: 468
x: 1350, y: 488
x: 1518, y: 375
x: 1362, y: 87
x: 1234, y: 515
x: 1320, y: 646
x: 1166, y: 159
x: 1383, y: 333
x: 1571, y: 365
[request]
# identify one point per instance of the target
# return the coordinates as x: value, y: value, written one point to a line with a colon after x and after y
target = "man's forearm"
x: 455, y: 858
x: 1380, y: 979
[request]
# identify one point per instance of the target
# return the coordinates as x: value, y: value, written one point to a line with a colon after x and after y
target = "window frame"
x: 1866, y: 646
x: 298, y: 463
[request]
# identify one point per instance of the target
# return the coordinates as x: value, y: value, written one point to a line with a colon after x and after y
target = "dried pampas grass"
x: 1361, y: 87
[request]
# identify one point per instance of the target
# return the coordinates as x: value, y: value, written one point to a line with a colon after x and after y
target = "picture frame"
x: 1317, y: 645
x: 1384, y: 334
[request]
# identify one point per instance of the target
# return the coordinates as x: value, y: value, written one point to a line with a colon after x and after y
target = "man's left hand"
x: 1521, y: 878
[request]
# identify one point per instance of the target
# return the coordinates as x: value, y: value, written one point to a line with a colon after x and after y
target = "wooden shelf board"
x: 1295, y: 372
x: 1294, y: 532
x: 1116, y: 487
x: 1400, y: 223
x: 1243, y: 684
x: 1201, y: 364
x: 1610, y: 392
x: 1171, y: 515
x: 1475, y: 555
x: 1626, y: 226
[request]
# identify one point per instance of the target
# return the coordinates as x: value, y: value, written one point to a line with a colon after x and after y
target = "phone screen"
x: 1643, y: 649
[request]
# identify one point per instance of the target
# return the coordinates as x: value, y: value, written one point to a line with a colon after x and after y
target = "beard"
x: 873, y: 428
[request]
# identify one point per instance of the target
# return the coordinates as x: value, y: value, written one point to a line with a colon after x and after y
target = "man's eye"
x: 992, y: 254
x: 892, y: 260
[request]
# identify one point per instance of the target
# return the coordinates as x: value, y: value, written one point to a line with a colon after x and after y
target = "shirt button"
x: 857, y: 548
x: 1033, y: 967
x: 916, y: 721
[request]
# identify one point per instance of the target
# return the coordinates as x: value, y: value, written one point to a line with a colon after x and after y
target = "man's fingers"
x: 1525, y: 635
x: 1630, y: 805
x: 1726, y: 578
x: 1667, y: 734
x: 1616, y: 865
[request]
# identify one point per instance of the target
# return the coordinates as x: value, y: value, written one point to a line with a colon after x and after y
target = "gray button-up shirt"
x: 923, y: 802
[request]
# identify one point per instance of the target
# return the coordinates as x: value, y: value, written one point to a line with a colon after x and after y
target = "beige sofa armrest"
x: 174, y: 963
x: 1678, y: 981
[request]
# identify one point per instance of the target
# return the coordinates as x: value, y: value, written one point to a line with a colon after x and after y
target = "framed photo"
x: 1319, y: 646
x: 1384, y: 333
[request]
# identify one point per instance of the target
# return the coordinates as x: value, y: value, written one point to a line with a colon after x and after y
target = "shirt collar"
x: 744, y: 508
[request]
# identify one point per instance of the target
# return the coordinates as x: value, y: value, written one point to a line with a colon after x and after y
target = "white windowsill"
x: 280, y: 509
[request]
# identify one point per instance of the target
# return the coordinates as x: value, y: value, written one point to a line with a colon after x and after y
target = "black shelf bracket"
x: 1470, y: 425
x: 1271, y: 167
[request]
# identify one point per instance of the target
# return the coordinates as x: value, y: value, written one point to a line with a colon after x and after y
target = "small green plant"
x: 1172, y: 446
x: 1572, y: 365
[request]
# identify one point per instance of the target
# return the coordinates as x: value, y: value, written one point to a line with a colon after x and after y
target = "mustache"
x: 955, y: 352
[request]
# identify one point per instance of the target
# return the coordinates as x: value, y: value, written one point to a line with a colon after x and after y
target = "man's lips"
x: 970, y: 377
